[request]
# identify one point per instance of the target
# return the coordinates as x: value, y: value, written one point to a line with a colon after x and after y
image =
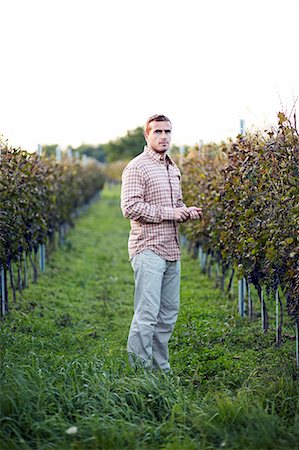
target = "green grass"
x: 64, y: 362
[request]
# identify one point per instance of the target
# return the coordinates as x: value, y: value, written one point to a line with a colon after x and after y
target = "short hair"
x: 155, y: 118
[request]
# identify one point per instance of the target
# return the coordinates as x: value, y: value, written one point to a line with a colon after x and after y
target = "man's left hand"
x: 195, y: 213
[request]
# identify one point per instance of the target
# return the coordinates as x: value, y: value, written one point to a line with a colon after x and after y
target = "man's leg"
x: 169, y: 309
x: 148, y: 270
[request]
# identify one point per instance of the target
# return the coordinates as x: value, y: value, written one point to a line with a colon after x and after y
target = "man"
x: 151, y: 198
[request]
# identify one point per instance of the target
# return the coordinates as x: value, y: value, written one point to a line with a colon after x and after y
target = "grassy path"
x: 66, y: 384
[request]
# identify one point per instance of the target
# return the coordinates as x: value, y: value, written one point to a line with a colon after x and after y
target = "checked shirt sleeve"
x: 133, y: 204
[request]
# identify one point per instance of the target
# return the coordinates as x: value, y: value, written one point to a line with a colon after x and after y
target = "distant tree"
x: 93, y: 151
x: 49, y: 150
x: 125, y: 147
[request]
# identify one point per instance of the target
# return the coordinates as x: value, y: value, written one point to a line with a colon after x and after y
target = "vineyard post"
x: 244, y: 294
x: 3, y: 303
x: 249, y: 300
x: 210, y: 267
x: 39, y: 150
x: 203, y: 262
x: 276, y: 314
x: 183, y: 240
x: 200, y: 255
x: 69, y: 152
x: 12, y: 284
x: 241, y: 297
x: 200, y: 145
x: 242, y: 127
x: 58, y: 153
x: 42, y: 257
x: 20, y: 281
x: 25, y: 279
x: 61, y: 234
x: 263, y: 309
x: 217, y: 271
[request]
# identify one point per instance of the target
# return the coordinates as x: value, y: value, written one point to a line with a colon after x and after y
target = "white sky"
x: 76, y: 71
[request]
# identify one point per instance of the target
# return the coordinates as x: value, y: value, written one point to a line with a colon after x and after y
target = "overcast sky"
x: 75, y: 71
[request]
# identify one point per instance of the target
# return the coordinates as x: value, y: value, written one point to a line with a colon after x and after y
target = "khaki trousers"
x: 156, y: 307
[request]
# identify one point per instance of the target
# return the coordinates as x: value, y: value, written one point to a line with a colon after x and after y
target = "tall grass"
x: 66, y: 383
x: 124, y: 409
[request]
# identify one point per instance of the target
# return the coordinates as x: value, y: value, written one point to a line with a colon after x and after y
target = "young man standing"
x: 151, y: 198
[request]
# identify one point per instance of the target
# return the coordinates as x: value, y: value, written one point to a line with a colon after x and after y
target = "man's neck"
x: 163, y: 154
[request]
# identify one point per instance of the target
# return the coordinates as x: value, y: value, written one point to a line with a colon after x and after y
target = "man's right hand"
x: 181, y: 214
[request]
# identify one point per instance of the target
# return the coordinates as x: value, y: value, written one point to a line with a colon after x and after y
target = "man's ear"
x: 145, y: 134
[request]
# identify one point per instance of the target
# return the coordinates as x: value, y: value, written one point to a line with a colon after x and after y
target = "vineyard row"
x: 39, y: 198
x: 249, y: 191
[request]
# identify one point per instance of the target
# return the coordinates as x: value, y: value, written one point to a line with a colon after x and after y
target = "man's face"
x: 159, y: 136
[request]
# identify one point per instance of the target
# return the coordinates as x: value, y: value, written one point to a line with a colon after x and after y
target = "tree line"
x: 122, y: 148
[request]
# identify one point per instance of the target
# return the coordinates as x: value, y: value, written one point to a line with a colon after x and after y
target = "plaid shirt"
x: 150, y: 192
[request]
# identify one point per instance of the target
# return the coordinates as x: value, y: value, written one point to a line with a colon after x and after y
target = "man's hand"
x: 195, y: 213
x: 181, y: 214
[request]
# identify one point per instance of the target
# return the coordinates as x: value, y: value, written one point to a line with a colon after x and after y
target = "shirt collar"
x: 156, y: 156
